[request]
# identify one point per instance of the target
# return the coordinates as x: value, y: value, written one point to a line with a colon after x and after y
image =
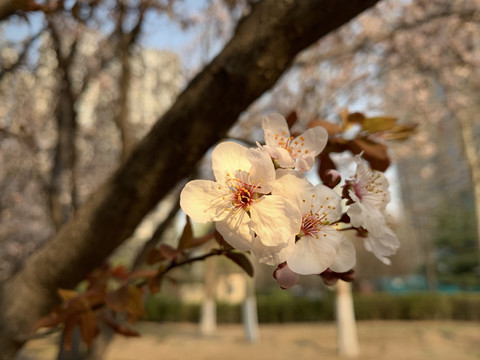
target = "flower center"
x: 312, y: 224
x: 294, y: 147
x: 243, y: 190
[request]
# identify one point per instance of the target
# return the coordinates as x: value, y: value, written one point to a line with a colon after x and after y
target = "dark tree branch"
x: 263, y: 47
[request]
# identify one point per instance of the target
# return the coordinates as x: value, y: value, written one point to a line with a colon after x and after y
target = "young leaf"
x: 187, y: 236
x: 379, y: 124
x: 241, y: 260
x: 375, y: 153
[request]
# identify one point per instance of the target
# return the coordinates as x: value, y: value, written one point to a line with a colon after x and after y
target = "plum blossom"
x: 237, y: 200
x: 370, y: 195
x: 318, y: 244
x: 290, y: 152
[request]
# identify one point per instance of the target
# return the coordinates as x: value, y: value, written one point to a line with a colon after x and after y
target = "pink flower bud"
x: 332, y: 178
x: 285, y: 277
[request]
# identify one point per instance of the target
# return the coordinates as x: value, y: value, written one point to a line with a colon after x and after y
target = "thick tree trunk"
x: 264, y: 45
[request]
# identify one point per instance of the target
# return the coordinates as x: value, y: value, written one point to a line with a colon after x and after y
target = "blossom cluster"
x: 261, y: 201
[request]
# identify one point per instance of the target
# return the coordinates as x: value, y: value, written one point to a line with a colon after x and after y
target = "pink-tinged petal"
x: 275, y: 219
x: 292, y: 185
x: 227, y: 158
x: 314, y: 140
x: 272, y: 255
x: 345, y: 259
x: 285, y: 277
x: 236, y: 230
x: 262, y: 171
x: 204, y: 200
x: 274, y: 127
x: 311, y: 255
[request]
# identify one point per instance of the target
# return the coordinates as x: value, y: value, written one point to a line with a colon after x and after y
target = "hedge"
x: 284, y: 307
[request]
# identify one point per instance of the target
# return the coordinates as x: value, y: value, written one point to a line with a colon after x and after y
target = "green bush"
x: 283, y: 307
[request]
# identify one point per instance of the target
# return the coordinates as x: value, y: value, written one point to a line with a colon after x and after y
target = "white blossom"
x: 290, y: 152
x: 237, y: 200
x: 369, y: 191
x: 318, y: 244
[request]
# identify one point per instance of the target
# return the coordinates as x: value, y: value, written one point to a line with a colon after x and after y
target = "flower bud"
x: 285, y: 277
x: 332, y: 178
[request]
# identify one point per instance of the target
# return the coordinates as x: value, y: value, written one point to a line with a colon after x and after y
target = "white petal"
x: 325, y: 201
x: 204, y: 200
x: 275, y: 220
x: 314, y: 140
x: 274, y: 124
x: 227, y: 158
x: 383, y: 244
x: 345, y: 259
x: 311, y: 255
x: 236, y: 230
x: 292, y: 185
x: 272, y: 255
x: 284, y: 158
x: 305, y: 163
x: 262, y: 170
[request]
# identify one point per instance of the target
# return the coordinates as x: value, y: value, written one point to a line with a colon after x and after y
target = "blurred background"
x: 82, y: 81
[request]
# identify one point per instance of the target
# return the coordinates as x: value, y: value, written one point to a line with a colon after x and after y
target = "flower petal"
x: 272, y: 255
x: 204, y: 201
x: 311, y: 255
x: 236, y: 230
x: 227, y: 158
x: 325, y: 201
x: 261, y: 170
x: 292, y: 185
x: 275, y: 219
x: 274, y: 127
x: 345, y: 259
x: 314, y: 140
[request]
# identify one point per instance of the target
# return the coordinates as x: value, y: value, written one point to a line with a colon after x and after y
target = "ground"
x: 392, y: 340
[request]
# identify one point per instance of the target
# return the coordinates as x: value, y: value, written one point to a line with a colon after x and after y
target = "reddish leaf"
x: 120, y: 272
x: 134, y: 305
x: 291, y: 119
x: 187, y: 236
x: 356, y: 117
x: 154, y: 284
x: 221, y: 241
x: 163, y: 252
x: 153, y: 256
x: 118, y: 328
x: 331, y: 128
x: 88, y: 327
x: 117, y: 299
x: 70, y: 325
x: 325, y: 164
x: 67, y: 294
x: 168, y: 252
x: 375, y: 153
x: 143, y: 274
x: 241, y: 260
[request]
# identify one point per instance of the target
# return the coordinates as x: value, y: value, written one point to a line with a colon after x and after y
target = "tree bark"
x: 264, y: 45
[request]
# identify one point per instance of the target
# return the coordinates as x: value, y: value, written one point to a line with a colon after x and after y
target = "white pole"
x: 208, y: 316
x: 249, y: 311
x: 347, y: 338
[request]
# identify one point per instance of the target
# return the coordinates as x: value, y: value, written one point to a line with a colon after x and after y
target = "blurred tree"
x: 455, y: 243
